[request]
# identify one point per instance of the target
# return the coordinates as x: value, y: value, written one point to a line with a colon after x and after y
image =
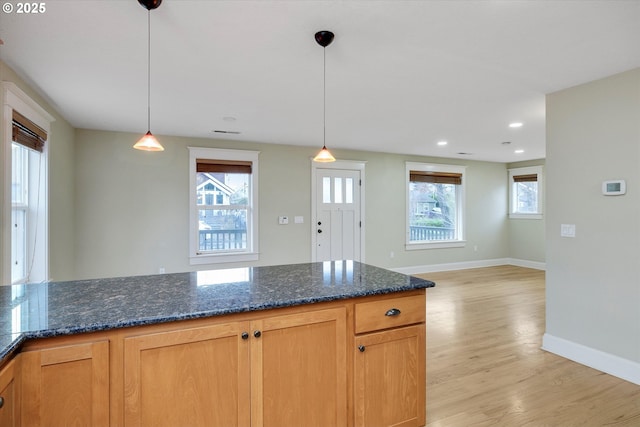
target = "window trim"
x: 252, y: 252
x: 460, y: 205
x: 15, y: 99
x: 527, y: 170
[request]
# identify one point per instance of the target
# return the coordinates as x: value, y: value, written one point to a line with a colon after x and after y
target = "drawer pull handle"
x: 1, y: 402
x: 392, y: 312
x: 361, y: 348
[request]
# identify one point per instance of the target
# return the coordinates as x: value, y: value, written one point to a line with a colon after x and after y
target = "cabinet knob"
x: 1, y: 402
x: 361, y: 348
x: 257, y: 334
x: 392, y: 312
x: 245, y: 335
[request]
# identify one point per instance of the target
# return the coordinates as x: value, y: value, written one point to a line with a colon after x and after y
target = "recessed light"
x: 462, y: 153
x: 229, y: 119
x: 506, y: 142
x: 442, y: 143
x: 519, y: 151
x: 515, y: 125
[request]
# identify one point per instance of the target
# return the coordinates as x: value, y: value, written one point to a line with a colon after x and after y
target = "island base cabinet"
x: 189, y: 377
x: 9, y: 406
x: 299, y: 370
x: 281, y: 371
x: 66, y: 386
x: 390, y: 378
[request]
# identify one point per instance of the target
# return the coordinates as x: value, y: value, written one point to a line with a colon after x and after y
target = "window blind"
x: 436, y: 177
x: 532, y: 177
x: 27, y: 133
x: 224, y: 166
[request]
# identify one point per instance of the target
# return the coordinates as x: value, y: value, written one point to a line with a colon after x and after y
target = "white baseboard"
x: 465, y: 265
x: 608, y: 363
x: 528, y: 264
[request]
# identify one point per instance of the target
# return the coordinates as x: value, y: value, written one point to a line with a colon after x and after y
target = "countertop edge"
x: 9, y: 350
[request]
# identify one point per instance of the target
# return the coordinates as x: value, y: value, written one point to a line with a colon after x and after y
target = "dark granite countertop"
x: 60, y: 308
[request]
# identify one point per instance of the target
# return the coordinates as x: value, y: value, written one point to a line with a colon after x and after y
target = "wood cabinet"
x: 9, y: 405
x: 196, y: 377
x: 279, y: 371
x: 299, y: 370
x: 390, y: 362
x: 273, y: 368
x: 66, y: 385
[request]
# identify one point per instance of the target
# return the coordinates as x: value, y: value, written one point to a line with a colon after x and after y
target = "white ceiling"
x: 400, y: 75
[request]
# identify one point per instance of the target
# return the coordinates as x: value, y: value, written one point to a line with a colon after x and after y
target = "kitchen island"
x: 247, y: 346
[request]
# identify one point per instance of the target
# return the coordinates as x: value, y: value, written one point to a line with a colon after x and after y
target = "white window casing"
x: 251, y: 252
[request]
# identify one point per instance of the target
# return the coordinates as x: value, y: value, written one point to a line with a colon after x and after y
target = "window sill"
x: 524, y: 216
x: 222, y: 258
x: 435, y: 245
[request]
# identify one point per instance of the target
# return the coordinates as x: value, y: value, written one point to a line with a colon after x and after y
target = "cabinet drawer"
x: 390, y: 313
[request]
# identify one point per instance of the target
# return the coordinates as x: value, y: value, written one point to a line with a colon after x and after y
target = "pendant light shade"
x: 149, y: 142
x: 324, y: 39
x: 324, y: 156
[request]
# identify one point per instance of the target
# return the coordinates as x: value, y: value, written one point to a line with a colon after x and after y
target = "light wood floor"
x: 485, y: 366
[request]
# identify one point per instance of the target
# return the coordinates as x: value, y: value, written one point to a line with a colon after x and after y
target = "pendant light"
x: 324, y: 39
x: 149, y: 142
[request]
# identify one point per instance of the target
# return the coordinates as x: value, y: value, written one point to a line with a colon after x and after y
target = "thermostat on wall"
x: 615, y: 187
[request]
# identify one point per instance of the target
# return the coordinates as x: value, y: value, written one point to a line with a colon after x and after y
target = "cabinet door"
x: 390, y: 377
x: 66, y: 385
x: 8, y: 395
x: 299, y: 370
x: 189, y: 377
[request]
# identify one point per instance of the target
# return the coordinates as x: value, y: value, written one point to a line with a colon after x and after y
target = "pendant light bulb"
x: 149, y: 142
x: 324, y: 39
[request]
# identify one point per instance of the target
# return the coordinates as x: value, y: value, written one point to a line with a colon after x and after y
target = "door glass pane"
x: 348, y: 197
x: 338, y: 190
x: 326, y: 189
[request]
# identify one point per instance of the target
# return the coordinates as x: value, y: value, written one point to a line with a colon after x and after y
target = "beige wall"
x: 132, y: 207
x: 593, y: 280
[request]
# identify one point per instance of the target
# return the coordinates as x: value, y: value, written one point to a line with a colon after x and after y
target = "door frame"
x: 352, y: 165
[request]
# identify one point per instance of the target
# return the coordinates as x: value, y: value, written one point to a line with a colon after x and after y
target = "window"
x: 26, y: 255
x: 435, y: 198
x: 525, y: 192
x: 223, y: 205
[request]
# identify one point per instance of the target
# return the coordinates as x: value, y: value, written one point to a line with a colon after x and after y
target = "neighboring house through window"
x: 435, y: 205
x: 525, y: 192
x: 223, y: 205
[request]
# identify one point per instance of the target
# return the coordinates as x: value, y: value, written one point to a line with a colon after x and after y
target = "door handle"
x: 319, y: 230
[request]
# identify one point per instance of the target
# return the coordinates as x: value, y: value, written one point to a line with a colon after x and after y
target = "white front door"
x: 337, y: 223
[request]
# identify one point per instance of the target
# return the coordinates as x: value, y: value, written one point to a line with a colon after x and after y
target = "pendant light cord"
x: 149, y: 70
x: 324, y: 97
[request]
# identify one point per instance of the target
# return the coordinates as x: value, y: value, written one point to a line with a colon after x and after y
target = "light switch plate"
x: 567, y: 230
x: 283, y: 220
